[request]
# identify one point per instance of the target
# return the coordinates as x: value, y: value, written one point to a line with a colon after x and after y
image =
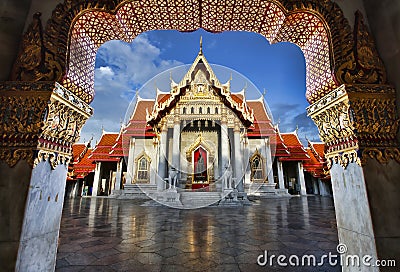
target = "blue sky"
x: 121, y: 68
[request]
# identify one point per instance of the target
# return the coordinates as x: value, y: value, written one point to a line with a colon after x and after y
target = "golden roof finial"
x: 201, y: 45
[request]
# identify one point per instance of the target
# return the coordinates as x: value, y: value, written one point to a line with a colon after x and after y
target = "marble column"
x: 225, y: 148
x: 315, y: 186
x: 118, y: 176
x: 34, y: 170
x: 322, y: 190
x: 131, y: 162
x: 96, y: 179
x: 300, y: 178
x: 238, y: 158
x: 280, y: 174
x: 269, y: 161
x: 363, y: 155
x: 176, y: 141
x: 162, y: 159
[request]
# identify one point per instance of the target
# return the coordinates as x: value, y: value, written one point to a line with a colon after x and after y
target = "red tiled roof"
x: 107, y: 139
x: 102, y: 150
x: 314, y: 165
x: 281, y: 148
x: 116, y: 149
x: 291, y: 139
x: 295, y: 148
x: 77, y: 150
x: 319, y: 148
x: 81, y: 165
x: 139, y: 113
x: 262, y: 123
x: 137, y: 126
x: 85, y: 165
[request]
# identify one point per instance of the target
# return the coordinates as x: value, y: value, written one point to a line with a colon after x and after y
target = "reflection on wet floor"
x: 101, y: 234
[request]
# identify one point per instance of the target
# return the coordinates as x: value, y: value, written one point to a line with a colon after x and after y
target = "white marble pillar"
x: 162, y: 160
x: 270, y: 170
x: 322, y: 188
x: 131, y: 161
x: 118, y: 176
x: 97, y: 179
x: 176, y: 141
x: 315, y: 186
x: 353, y: 213
x: 74, y: 192
x: 224, y: 142
x: 280, y: 174
x: 238, y: 158
x: 300, y: 178
x: 41, y: 223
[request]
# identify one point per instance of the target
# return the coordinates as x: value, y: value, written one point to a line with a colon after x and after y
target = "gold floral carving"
x: 35, y: 61
x: 343, y: 158
x: 54, y: 158
x: 362, y: 64
x: 39, y: 121
x: 358, y: 118
x: 381, y: 155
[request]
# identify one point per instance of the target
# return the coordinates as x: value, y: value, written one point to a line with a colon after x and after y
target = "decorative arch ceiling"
x: 94, y: 27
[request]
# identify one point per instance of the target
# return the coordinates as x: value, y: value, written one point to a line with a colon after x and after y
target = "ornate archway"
x: 78, y: 28
x: 352, y: 104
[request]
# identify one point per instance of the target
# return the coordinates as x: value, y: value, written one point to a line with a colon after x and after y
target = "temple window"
x: 208, y: 110
x: 200, y: 110
x: 143, y: 170
x: 257, y: 169
x: 184, y: 110
x: 216, y: 110
x: 192, y: 110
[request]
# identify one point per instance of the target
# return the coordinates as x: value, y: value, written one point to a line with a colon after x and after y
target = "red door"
x: 200, y: 177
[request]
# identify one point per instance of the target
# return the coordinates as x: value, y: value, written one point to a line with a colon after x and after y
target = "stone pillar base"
x: 169, y: 197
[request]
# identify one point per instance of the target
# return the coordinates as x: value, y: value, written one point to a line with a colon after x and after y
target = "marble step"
x: 199, y: 199
x: 143, y: 188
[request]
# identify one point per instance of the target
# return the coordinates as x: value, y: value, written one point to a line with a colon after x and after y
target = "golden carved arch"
x: 68, y: 44
x: 261, y: 160
x: 142, y: 155
x: 200, y: 141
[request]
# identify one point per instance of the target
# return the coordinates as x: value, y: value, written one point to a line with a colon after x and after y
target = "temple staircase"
x: 191, y: 200
x: 137, y: 190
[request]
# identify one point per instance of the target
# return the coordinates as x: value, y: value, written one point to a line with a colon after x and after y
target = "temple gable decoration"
x: 200, y: 82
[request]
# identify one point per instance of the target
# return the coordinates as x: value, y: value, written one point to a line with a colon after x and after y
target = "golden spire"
x: 201, y: 45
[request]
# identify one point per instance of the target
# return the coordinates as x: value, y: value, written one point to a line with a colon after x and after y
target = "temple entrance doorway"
x: 200, y: 169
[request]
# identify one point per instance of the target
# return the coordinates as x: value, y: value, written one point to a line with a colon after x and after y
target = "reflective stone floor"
x: 101, y: 234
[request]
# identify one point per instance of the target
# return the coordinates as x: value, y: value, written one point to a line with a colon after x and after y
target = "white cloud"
x: 105, y: 71
x: 122, y: 68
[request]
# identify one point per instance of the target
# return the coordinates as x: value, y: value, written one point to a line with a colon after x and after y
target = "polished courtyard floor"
x: 101, y: 234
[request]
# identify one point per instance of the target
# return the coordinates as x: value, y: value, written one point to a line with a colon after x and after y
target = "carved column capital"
x: 39, y: 121
x: 358, y: 122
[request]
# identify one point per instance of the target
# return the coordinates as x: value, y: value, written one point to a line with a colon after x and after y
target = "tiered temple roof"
x: 102, y: 150
x: 317, y: 163
x: 81, y: 165
x: 294, y: 147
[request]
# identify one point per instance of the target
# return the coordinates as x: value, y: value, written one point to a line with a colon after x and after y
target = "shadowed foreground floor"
x: 101, y: 234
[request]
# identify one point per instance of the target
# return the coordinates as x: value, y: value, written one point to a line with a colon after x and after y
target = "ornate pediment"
x: 198, y: 83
